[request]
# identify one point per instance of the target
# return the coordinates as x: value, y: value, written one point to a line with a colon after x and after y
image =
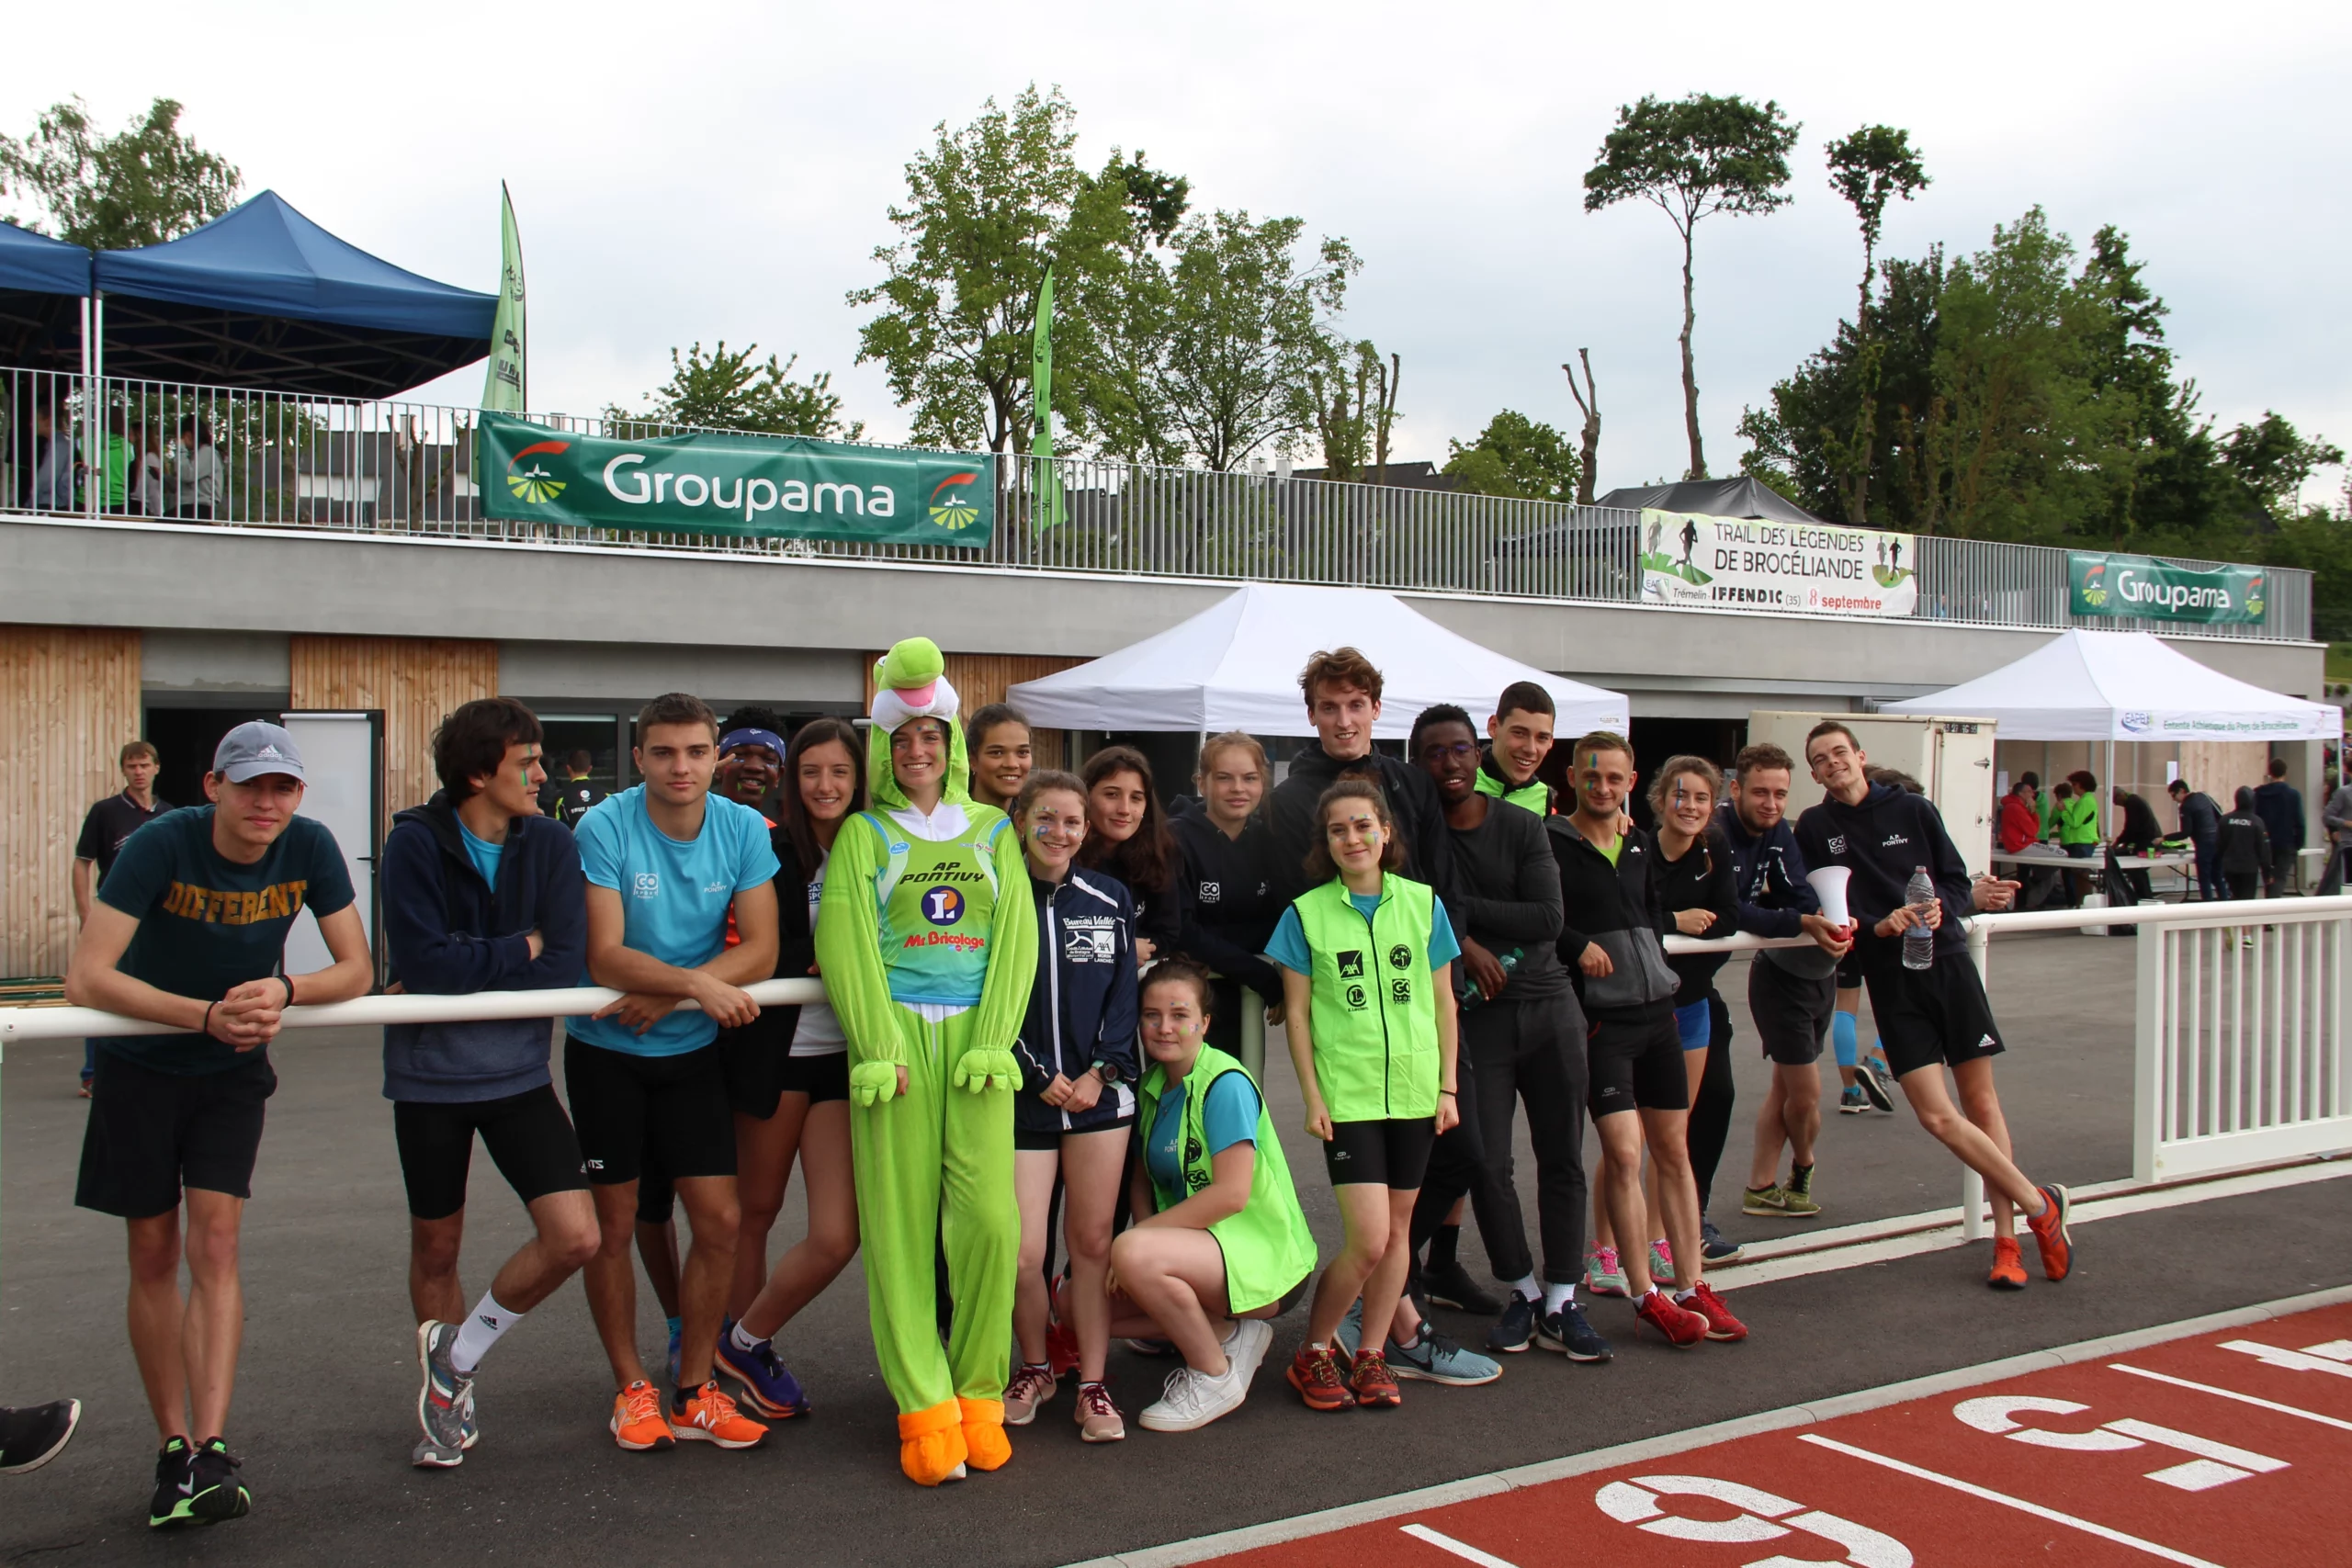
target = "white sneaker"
x: 1245, y: 1348
x: 1192, y: 1400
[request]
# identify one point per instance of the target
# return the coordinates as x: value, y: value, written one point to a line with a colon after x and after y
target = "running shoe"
x: 1567, y: 1332
x: 174, y: 1483
x: 198, y: 1486
x: 1097, y: 1415
x: 1661, y: 1262
x: 1680, y: 1327
x: 1435, y: 1358
x: 1351, y: 1330
x: 85, y: 1088
x: 711, y: 1418
x: 1512, y: 1330
x: 1061, y: 1348
x: 1247, y: 1346
x: 1769, y: 1203
x: 33, y: 1435
x: 1450, y: 1285
x: 442, y: 1399
x: 1714, y: 1246
x: 1602, y: 1276
x: 768, y: 1386
x: 1318, y: 1380
x: 2007, y: 1272
x: 1026, y: 1393
x: 2052, y: 1235
x: 1190, y: 1400
x: 1876, y: 1081
x: 637, y: 1422
x: 1798, y: 1191
x: 1372, y: 1382
x: 1853, y: 1103
x: 1721, y: 1325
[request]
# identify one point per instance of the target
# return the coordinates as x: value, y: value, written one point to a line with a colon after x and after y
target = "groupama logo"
x: 2095, y: 585
x: 955, y: 512
x: 534, y: 485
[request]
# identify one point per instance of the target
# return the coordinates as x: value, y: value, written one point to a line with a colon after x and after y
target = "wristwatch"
x: 1107, y: 1073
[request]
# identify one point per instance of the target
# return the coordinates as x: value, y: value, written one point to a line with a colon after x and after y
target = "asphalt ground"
x: 325, y: 1408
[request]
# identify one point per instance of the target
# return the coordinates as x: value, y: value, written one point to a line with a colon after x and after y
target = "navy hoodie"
x: 449, y: 932
x: 1082, y: 1006
x: 1774, y: 897
x: 1233, y: 905
x: 1881, y: 841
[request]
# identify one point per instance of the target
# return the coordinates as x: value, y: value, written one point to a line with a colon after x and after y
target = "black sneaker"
x: 1877, y: 1083
x: 1450, y: 1285
x: 1567, y: 1332
x: 1515, y: 1328
x: 30, y: 1437
x: 174, y: 1485
x: 1715, y: 1246
x: 219, y: 1493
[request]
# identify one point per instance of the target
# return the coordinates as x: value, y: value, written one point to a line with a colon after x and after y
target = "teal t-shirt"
x: 1288, y: 946
x: 482, y: 853
x: 674, y: 897
x: 207, y: 924
x: 1230, y: 1117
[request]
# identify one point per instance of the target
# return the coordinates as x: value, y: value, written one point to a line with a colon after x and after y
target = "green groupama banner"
x: 2148, y: 588
x: 759, y: 486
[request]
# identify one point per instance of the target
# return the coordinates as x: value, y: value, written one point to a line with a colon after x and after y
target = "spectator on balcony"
x: 122, y: 462
x: 199, y: 471
x: 150, y: 483
x: 52, y: 467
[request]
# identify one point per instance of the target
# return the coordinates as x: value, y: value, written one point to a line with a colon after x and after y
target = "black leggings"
x: 1511, y: 1052
x: 1711, y: 1112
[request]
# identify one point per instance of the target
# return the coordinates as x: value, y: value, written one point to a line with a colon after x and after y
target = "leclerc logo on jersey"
x: 943, y: 906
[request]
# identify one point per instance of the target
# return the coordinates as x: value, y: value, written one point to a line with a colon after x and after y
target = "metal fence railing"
x: 218, y: 457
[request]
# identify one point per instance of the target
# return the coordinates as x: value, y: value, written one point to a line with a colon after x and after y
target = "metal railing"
x: 217, y: 458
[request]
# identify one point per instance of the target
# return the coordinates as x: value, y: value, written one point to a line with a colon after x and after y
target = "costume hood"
x: 911, y: 681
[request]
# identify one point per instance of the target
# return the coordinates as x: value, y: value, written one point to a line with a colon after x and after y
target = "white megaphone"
x: 1828, y: 885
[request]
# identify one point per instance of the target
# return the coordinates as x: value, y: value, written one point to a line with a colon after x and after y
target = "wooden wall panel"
x: 415, y: 681
x: 69, y: 701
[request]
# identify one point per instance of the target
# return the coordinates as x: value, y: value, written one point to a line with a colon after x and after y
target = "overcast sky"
x: 702, y: 171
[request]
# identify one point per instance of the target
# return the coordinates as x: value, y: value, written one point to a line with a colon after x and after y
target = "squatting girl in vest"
x: 1223, y: 1245
x: 1368, y: 996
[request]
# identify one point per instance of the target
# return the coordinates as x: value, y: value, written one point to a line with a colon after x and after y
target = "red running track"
x: 2232, y: 1448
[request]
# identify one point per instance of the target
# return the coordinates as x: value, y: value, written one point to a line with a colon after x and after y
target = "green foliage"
x: 1355, y: 403
x: 1692, y: 158
x: 143, y: 186
x: 1517, y: 456
x: 1871, y: 167
x: 728, y: 389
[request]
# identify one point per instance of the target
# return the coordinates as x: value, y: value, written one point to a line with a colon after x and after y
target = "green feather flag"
x: 505, y: 386
x: 1046, y: 475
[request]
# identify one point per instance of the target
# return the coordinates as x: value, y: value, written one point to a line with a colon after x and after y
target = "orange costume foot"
x: 984, y: 1440
x: 931, y: 1443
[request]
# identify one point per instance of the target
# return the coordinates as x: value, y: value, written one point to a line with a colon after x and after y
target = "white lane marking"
x: 1636, y: 1503
x: 1461, y: 1549
x: 2288, y: 1361
x: 2038, y: 1511
x: 2258, y: 1403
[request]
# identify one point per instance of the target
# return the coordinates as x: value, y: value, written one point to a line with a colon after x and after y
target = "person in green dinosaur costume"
x: 931, y: 988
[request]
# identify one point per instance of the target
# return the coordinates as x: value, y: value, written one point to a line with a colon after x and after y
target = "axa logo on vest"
x: 753, y: 496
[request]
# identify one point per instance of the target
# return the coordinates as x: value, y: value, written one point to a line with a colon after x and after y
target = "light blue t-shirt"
x: 674, y: 897
x: 1288, y: 947
x: 482, y: 853
x: 1230, y: 1117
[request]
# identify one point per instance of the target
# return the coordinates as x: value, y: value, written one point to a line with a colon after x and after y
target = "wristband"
x: 205, y: 1028
x: 1450, y: 1092
x: 287, y: 981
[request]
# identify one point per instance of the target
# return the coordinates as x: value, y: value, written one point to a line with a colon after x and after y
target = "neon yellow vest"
x: 1534, y: 795
x: 935, y: 906
x: 1375, y: 1007
x: 1267, y: 1246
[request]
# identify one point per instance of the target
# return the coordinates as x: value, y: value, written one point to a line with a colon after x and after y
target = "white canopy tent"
x: 2111, y: 686
x: 1235, y: 664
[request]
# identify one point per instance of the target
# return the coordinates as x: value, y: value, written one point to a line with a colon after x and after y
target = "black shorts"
x: 152, y: 1133
x: 1850, y: 969
x: 820, y: 1078
x: 1792, y: 1011
x: 1634, y: 1060
x: 668, y: 1112
x: 1390, y: 1153
x: 529, y: 1136
x: 751, y: 1064
x: 1048, y: 1140
x: 1938, y: 1014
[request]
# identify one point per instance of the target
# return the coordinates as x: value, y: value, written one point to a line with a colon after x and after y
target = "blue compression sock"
x: 1847, y: 1039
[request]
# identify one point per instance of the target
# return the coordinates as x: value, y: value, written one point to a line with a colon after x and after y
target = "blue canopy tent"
x: 264, y: 298
x: 42, y: 285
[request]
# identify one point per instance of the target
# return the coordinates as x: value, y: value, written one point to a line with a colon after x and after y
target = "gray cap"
x: 251, y: 750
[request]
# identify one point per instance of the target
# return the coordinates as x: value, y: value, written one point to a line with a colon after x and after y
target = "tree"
x: 730, y: 391
x: 143, y: 186
x: 1588, y: 403
x: 989, y: 207
x: 1869, y: 168
x: 1693, y: 158
x: 1247, y: 334
x: 1130, y: 307
x: 1519, y: 457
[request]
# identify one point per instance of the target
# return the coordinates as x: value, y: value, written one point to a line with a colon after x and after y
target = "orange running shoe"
x: 1317, y: 1377
x: 637, y: 1419
x: 2051, y: 1233
x: 1721, y: 1323
x: 2007, y: 1272
x: 711, y: 1418
x: 1373, y: 1383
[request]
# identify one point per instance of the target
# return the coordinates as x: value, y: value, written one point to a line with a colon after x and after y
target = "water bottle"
x: 1919, y: 943
x: 1471, y: 996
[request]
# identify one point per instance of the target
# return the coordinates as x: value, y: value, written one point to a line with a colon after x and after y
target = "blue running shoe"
x: 768, y: 1387
x: 1567, y: 1332
x: 1715, y: 1246
x: 1436, y: 1359
x: 1514, y: 1327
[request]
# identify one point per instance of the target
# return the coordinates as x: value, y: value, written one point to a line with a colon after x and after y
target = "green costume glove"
x: 981, y: 1071
x: 873, y: 1083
